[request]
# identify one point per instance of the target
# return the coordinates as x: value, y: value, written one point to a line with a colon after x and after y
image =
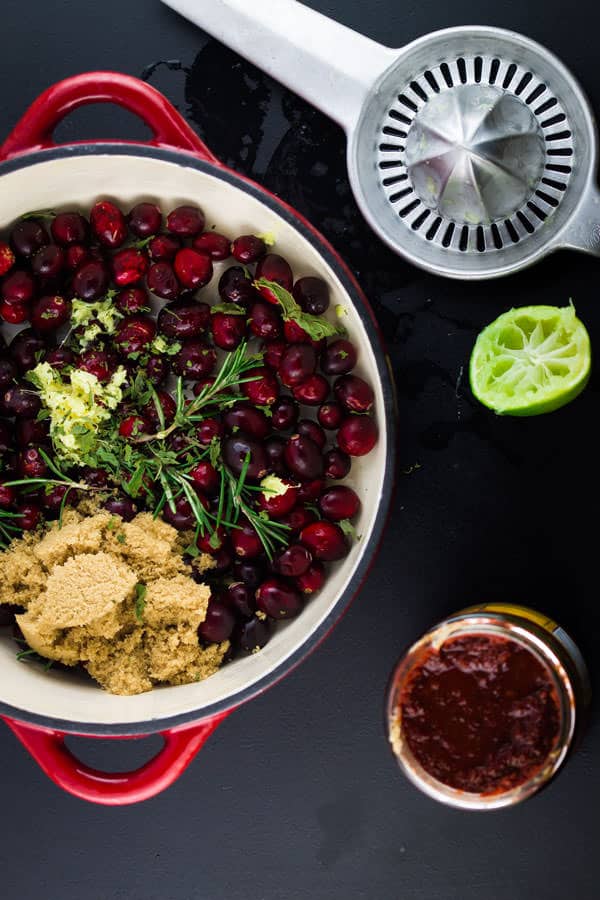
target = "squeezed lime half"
x: 531, y: 360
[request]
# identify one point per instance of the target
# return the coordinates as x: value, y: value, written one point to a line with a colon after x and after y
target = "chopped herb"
x: 140, y: 601
x: 317, y: 327
x: 121, y: 537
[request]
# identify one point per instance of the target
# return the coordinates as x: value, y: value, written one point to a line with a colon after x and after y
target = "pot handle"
x: 34, y: 131
x: 48, y: 748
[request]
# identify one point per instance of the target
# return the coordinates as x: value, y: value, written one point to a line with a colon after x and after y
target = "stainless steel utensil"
x: 471, y: 151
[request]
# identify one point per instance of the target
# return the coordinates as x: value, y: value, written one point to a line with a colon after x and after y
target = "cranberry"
x: 312, y: 294
x: 218, y: 624
x: 28, y: 236
x: 50, y: 312
x: 278, y: 504
x: 277, y: 599
x: 222, y: 561
x: 312, y: 391
x: 263, y: 390
x: 31, y: 431
x: 108, y: 224
x: 183, y: 518
x: 213, y: 244
x: 8, y: 372
x: 195, y: 360
x: 59, y: 357
x: 236, y: 287
x: 313, y: 579
x: 297, y: 364
x: 337, y: 464
x: 339, y: 357
x: 163, y: 247
x: 25, y: 349
x: 357, y: 435
x: 245, y: 541
x: 48, y: 264
x: 18, y: 287
x: 144, y: 220
x: 248, y: 248
x: 275, y: 268
x: 284, y: 413
x: 310, y: 429
x: 134, y: 334
x: 90, y: 280
x: 31, y: 463
x: 121, y: 506
x: 162, y: 281
x: 199, y: 386
x: 339, y: 502
x: 193, y: 269
x: 293, y: 561
x: 10, y: 465
x: 7, y: 258
x: 14, y: 313
x: 246, y: 418
x: 325, y: 540
x: 28, y: 515
x: 250, y: 571
x: 6, y: 436
x: 212, y: 542
x: 264, y: 321
x: 133, y: 426
x: 207, y: 430
x: 354, y: 393
x: 100, y: 363
x: 185, y: 221
x: 129, y: 266
x: 253, y: 635
x: 272, y: 353
x: 235, y: 450
x: 184, y: 320
x: 8, y: 495
x: 69, y: 228
x: 167, y: 405
x: 228, y: 330
x: 240, y: 598
x: 132, y: 301
x: 275, y: 450
x: 303, y: 458
x: 310, y: 491
x: 330, y: 415
x: 96, y: 478
x: 52, y: 499
x: 205, y: 477
x: 75, y: 255
x: 295, y: 334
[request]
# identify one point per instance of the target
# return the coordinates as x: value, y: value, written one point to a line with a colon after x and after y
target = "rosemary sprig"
x: 271, y: 533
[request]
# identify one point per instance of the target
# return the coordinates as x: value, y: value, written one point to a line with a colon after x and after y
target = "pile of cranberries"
x: 302, y: 418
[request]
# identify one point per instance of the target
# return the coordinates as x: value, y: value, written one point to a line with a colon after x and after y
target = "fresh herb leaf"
x: 317, y: 327
x: 140, y: 601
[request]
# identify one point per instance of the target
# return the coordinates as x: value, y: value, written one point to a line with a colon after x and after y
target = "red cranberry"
x: 275, y: 268
x: 129, y: 266
x: 8, y: 495
x: 295, y: 334
x: 222, y: 561
x: 248, y: 248
x: 7, y: 258
x: 339, y: 502
x: 236, y: 287
x: 183, y: 518
x: 28, y: 516
x: 50, y: 312
x: 162, y: 281
x: 144, y: 220
x: 14, y: 313
x: 133, y: 426
x: 312, y: 391
x: 312, y: 294
x: 183, y: 320
x: 121, y: 506
x: 212, y: 542
x: 228, y: 330
x: 293, y: 561
x: 75, y: 255
x: 246, y: 418
x: 263, y: 390
x: 277, y: 505
x: 207, y: 430
x: 195, y: 360
x: 354, y: 393
x: 193, y: 269
x: 245, y: 541
x: 163, y: 247
x: 132, y: 301
x: 297, y: 364
x: 213, y: 244
x: 166, y: 403
x: 339, y: 357
x: 48, y: 264
x: 264, y: 321
x: 205, y: 477
x: 218, y: 624
x: 108, y: 224
x: 277, y: 599
x: 313, y: 579
x: 28, y: 236
x: 18, y: 287
x: 275, y: 450
x: 90, y: 281
x: 20, y: 401
x: 185, y: 221
x: 69, y: 228
x: 60, y: 357
x: 357, y: 435
x: 31, y: 463
x: 96, y: 478
x: 284, y: 413
x: 330, y: 415
x: 310, y: 491
x: 134, y: 334
x: 100, y: 363
x: 250, y: 571
x: 272, y: 353
x: 240, y: 598
x: 310, y: 429
x: 52, y: 499
x: 25, y: 349
x: 303, y: 458
x: 337, y: 464
x: 235, y: 450
x: 253, y: 635
x: 8, y: 372
x: 325, y: 540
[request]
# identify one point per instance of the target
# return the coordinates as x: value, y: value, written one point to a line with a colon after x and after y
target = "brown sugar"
x: 81, y: 585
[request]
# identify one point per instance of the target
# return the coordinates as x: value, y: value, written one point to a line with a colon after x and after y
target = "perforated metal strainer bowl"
x: 471, y: 151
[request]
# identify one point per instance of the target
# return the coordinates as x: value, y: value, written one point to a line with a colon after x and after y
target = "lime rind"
x: 531, y: 360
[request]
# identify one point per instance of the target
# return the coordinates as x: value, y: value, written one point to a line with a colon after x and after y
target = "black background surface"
x: 296, y: 796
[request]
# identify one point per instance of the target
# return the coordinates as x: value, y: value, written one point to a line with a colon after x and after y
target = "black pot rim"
x: 367, y: 317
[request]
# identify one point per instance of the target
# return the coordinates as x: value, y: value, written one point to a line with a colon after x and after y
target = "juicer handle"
x: 582, y: 231
x: 328, y: 64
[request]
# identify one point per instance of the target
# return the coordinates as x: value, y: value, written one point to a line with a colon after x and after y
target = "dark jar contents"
x: 480, y: 713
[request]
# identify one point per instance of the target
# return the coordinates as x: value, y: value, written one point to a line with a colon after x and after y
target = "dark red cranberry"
x: 20, y: 401
x: 129, y: 266
x: 253, y: 635
x: 310, y: 429
x: 357, y: 435
x: 339, y: 502
x: 6, y: 436
x: 275, y: 268
x: 96, y: 478
x: 108, y: 224
x: 162, y: 281
x: 90, y: 281
x: 144, y: 220
x: 134, y: 334
x: 14, y: 313
x: 184, y: 320
x: 277, y: 599
x: 7, y: 258
x: 53, y: 498
x: 69, y: 228
x: 284, y: 413
x: 183, y: 518
x: 354, y: 393
x: 264, y: 321
x: 212, y: 541
x: 8, y: 495
x: 310, y: 491
x: 207, y: 430
x: 222, y: 561
x: 185, y: 221
x: 193, y: 269
x: 205, y: 477
x: 218, y: 624
x: 133, y: 426
x: 157, y: 369
x: 29, y: 515
x: 121, y: 506
x: 292, y: 561
x: 228, y: 330
x: 303, y: 458
x: 200, y: 386
x: 275, y: 450
x: 132, y: 301
x: 100, y: 363
x: 31, y: 463
x: 325, y: 540
x: 313, y: 579
x: 330, y: 415
x: 297, y: 364
x: 163, y: 247
x: 312, y: 391
x: 339, y: 357
x: 295, y: 334
x: 263, y: 390
x: 244, y: 417
x: 28, y: 236
x: 337, y: 464
x: 50, y: 312
x: 278, y: 504
x: 235, y: 450
x: 235, y: 286
x: 250, y: 571
x: 195, y: 360
x: 213, y: 244
x: 167, y: 405
x: 240, y: 598
x: 178, y: 443
x: 48, y: 264
x: 245, y: 541
x: 18, y: 287
x: 8, y: 372
x: 312, y: 294
x: 31, y: 431
x: 272, y: 353
x: 248, y: 248
x: 26, y: 349
x: 75, y: 255
x: 60, y: 357
x: 10, y: 465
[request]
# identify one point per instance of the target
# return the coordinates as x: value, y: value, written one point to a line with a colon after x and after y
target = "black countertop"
x: 297, y: 796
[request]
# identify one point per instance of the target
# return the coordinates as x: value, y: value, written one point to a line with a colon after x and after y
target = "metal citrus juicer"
x: 471, y: 151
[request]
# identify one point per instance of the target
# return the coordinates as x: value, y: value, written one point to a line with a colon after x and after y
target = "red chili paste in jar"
x: 481, y: 714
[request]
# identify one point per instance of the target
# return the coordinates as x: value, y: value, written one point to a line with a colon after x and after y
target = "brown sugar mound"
x: 115, y: 597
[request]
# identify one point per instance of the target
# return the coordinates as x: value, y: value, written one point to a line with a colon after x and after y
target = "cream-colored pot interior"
x: 76, y: 182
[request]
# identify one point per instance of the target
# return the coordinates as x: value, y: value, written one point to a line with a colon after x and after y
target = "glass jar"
x: 548, y: 643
